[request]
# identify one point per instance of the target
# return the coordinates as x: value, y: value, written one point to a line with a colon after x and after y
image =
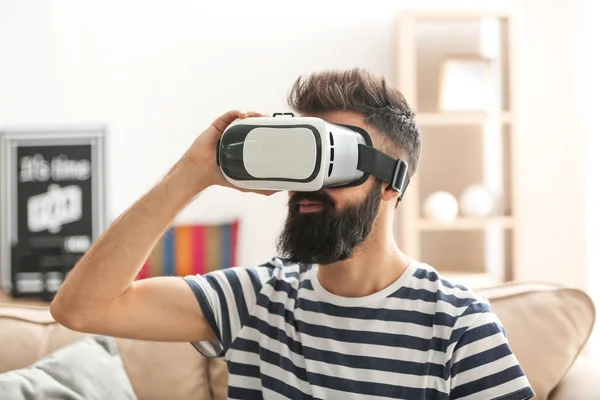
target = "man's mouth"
x: 307, y: 206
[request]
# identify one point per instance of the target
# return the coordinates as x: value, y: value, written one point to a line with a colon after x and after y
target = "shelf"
x: 454, y: 14
x: 459, y: 118
x: 466, y: 223
x: 471, y: 280
x: 461, y: 148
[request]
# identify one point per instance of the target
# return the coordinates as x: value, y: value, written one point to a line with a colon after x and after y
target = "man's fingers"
x: 256, y: 114
x: 224, y: 120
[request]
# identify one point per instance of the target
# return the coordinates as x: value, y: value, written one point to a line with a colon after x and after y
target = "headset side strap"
x: 384, y: 167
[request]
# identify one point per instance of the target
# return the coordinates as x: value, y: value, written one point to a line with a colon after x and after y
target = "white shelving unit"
x: 459, y: 147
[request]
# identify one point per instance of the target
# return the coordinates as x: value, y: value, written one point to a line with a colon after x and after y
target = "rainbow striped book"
x: 192, y: 249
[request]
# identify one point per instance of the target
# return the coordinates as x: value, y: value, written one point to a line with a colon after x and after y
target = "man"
x: 342, y: 313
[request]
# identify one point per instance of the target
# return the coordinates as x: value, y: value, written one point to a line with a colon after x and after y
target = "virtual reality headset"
x: 307, y: 154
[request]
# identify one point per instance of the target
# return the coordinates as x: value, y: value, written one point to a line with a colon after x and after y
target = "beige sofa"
x: 547, y: 327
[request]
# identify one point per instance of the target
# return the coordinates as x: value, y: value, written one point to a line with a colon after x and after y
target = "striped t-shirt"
x: 284, y: 336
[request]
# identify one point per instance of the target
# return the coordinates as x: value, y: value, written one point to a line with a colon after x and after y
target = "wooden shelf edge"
x: 466, y: 223
x: 455, y: 14
x: 459, y: 118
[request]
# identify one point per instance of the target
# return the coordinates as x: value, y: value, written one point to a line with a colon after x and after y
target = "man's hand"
x: 100, y: 295
x: 202, y: 153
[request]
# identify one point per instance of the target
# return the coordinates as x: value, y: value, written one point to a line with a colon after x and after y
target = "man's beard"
x: 328, y: 235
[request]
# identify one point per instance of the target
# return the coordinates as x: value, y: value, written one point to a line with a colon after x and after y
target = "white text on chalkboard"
x: 37, y: 169
x: 53, y: 209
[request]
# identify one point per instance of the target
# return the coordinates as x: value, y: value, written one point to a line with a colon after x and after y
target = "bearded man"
x: 340, y: 312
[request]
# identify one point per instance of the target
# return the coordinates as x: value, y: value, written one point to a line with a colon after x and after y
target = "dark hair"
x: 382, y: 106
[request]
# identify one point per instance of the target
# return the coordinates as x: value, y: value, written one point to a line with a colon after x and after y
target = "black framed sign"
x: 52, y: 205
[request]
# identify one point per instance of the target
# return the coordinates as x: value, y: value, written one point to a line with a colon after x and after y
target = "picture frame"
x: 465, y: 83
x: 52, y: 204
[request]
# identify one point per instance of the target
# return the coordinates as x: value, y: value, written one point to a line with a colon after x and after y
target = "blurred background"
x: 504, y: 91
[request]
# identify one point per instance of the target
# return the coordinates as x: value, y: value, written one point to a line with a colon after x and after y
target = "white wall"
x: 157, y: 74
x: 550, y: 159
x: 591, y: 14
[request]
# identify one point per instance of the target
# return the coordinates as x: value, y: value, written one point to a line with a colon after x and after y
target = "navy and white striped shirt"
x: 285, y: 336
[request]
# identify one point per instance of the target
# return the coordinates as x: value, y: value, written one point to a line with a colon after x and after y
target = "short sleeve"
x: 227, y: 297
x: 482, y: 364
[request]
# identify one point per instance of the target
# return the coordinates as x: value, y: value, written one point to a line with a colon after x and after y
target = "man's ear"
x: 390, y: 194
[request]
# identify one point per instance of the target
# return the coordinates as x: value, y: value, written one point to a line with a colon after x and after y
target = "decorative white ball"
x: 476, y: 201
x: 441, y: 206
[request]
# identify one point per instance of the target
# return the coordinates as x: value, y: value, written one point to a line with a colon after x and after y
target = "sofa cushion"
x: 88, y: 369
x: 218, y: 378
x: 157, y: 370
x: 163, y: 370
x: 580, y: 383
x: 547, y: 327
x: 24, y: 334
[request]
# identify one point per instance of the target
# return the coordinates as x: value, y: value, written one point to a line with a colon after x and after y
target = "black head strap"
x: 384, y: 167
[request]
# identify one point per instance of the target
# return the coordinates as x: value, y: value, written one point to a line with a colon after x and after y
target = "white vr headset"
x: 306, y: 154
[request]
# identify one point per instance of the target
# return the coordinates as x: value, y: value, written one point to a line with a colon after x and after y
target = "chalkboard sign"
x: 52, y: 205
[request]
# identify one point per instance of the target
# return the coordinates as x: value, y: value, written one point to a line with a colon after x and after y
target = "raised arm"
x: 100, y: 294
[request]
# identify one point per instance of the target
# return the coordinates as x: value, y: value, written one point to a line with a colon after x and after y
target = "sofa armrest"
x: 581, y: 382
